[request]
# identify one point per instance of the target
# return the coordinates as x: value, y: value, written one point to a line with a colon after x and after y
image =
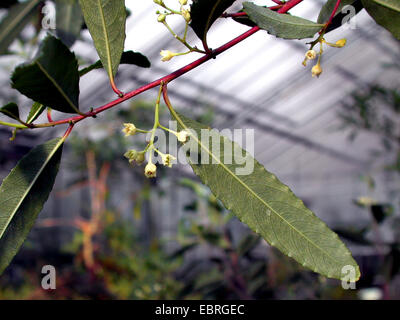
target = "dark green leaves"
x: 128, y: 57
x: 10, y: 110
x: 281, y: 25
x: 52, y: 78
x: 69, y: 20
x: 15, y: 21
x: 386, y: 13
x: 265, y: 204
x: 106, y: 21
x: 23, y: 194
x: 204, y: 13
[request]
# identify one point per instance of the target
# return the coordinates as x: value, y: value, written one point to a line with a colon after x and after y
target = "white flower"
x: 167, y: 160
x: 316, y: 70
x: 150, y: 170
x: 167, y: 55
x: 183, y: 136
x: 129, y: 129
x: 311, y: 55
x: 186, y: 15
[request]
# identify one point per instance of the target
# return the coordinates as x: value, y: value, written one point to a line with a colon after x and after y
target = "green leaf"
x: 204, y: 13
x: 281, y: 25
x: 265, y: 204
x: 23, y: 194
x: 386, y: 13
x: 106, y: 21
x: 52, y: 78
x: 128, y: 57
x: 36, y: 110
x: 69, y: 20
x: 339, y: 17
x: 14, y: 22
x: 10, y: 110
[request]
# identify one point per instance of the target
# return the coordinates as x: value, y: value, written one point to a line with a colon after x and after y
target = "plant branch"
x: 166, y: 79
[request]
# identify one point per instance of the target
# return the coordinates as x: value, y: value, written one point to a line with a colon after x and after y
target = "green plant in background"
x: 276, y: 213
x: 375, y: 109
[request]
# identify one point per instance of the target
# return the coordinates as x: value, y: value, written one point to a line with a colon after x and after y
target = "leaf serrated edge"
x: 260, y: 199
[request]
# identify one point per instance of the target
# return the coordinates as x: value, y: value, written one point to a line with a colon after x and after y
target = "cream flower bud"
x: 316, y: 70
x: 167, y: 160
x: 129, y: 129
x: 183, y: 2
x: 167, y: 55
x: 183, y: 136
x: 160, y: 2
x: 186, y: 15
x: 341, y: 43
x: 311, y: 54
x: 161, y: 18
x: 150, y: 170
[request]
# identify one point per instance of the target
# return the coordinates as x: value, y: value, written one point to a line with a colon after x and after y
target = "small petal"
x: 166, y: 55
x: 129, y: 129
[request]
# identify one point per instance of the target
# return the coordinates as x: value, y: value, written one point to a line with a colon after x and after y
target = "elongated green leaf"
x: 204, y: 13
x: 10, y: 110
x: 106, y: 21
x: 128, y: 57
x: 265, y: 204
x: 281, y: 25
x: 386, y: 13
x: 15, y: 21
x: 36, y: 110
x: 69, y: 20
x: 339, y: 17
x: 52, y: 78
x: 23, y: 194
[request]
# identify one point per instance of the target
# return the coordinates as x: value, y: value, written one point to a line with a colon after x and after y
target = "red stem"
x: 49, y: 118
x: 289, y: 5
x: 333, y: 13
x: 171, y: 76
x: 69, y: 130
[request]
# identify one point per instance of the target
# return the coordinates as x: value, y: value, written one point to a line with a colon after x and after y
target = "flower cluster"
x: 184, y: 11
x: 139, y: 157
x: 311, y: 54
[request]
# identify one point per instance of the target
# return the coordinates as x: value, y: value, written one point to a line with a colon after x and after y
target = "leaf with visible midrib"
x: 386, y: 13
x: 267, y: 206
x: 281, y: 25
x: 204, y: 13
x: 15, y: 21
x: 23, y: 194
x: 52, y: 78
x: 106, y: 21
